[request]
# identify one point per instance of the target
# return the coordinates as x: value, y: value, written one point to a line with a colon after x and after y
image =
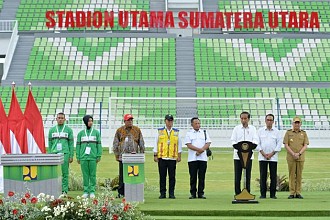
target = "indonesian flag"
x: 4, y: 133
x: 35, y: 126
x: 16, y: 125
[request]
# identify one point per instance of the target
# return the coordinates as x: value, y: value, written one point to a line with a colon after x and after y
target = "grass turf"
x: 219, y: 189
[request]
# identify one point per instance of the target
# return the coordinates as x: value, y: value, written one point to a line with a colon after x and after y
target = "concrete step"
x: 185, y: 70
x: 9, y: 9
x: 20, y: 60
x: 184, y: 63
x: 182, y: 51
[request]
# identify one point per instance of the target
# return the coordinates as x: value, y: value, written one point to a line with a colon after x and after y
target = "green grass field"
x: 219, y: 190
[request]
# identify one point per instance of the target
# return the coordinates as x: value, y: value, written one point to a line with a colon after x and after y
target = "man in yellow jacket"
x: 167, y: 152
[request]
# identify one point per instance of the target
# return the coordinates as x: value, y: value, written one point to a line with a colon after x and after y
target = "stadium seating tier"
x: 312, y: 104
x: 262, y: 59
x: 1, y: 3
x: 77, y: 101
x: 31, y: 13
x: 102, y: 59
x: 322, y: 7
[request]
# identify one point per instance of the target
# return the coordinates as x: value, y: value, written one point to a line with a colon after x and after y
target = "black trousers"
x: 238, y: 176
x: 121, y: 187
x: 263, y: 177
x: 197, y: 168
x: 165, y: 166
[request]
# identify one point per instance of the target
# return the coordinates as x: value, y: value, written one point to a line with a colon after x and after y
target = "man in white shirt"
x: 197, y: 141
x: 243, y: 132
x: 269, y: 145
x: 167, y: 152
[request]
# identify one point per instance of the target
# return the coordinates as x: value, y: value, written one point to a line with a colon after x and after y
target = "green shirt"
x: 60, y: 140
x: 89, y: 145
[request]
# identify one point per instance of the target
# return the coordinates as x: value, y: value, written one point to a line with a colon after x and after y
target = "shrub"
x: 76, y: 182
x: 281, y: 184
x: 312, y: 186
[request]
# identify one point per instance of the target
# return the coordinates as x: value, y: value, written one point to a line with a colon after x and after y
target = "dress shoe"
x: 119, y: 196
x: 85, y: 196
x: 162, y: 197
x: 298, y: 196
x: 291, y: 197
x: 262, y: 197
x: 192, y: 197
x: 273, y: 197
x: 201, y: 197
x: 171, y: 196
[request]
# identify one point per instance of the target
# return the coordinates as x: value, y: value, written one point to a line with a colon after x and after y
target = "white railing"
x: 5, y: 27
x: 219, y: 129
x: 184, y: 123
x: 8, y: 26
x: 201, y: 5
x: 307, y: 124
x: 224, y: 123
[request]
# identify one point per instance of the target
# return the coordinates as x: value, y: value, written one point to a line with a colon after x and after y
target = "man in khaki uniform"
x: 295, y: 141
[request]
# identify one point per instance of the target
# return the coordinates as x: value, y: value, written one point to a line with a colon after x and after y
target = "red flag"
x: 4, y: 132
x: 35, y: 126
x: 16, y: 125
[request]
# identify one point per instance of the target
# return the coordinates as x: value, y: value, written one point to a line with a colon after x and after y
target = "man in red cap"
x: 128, y: 139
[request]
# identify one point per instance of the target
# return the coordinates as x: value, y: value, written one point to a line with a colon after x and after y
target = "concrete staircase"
x: 157, y: 5
x: 182, y: 5
x: 185, y: 77
x: 211, y: 5
x: 20, y: 61
x: 9, y: 9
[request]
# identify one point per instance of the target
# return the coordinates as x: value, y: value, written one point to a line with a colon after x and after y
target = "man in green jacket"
x: 60, y: 140
x: 88, y: 152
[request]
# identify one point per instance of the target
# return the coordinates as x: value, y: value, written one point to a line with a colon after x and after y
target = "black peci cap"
x: 169, y: 117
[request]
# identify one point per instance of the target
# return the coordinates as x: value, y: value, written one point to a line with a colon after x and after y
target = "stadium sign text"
x: 160, y: 19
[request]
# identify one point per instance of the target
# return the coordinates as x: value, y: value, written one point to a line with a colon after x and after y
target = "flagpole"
x: 13, y: 84
x: 30, y: 86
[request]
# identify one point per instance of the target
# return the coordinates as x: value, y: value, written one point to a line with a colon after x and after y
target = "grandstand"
x: 77, y: 70
x: 321, y: 7
x: 102, y: 59
x: 262, y: 59
x: 31, y: 14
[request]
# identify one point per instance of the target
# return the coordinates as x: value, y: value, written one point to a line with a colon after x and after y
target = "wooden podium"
x: 244, y: 151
